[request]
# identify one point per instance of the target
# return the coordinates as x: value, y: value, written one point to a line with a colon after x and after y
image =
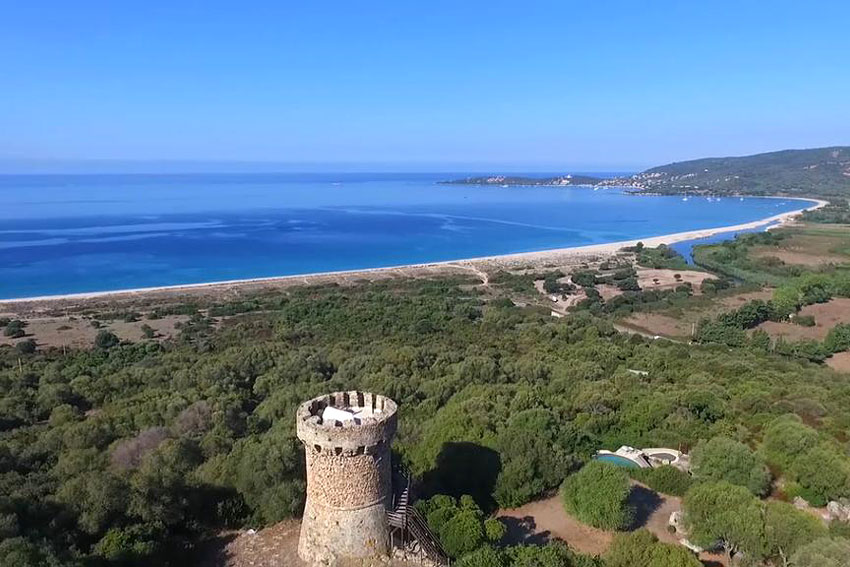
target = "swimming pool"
x: 618, y: 461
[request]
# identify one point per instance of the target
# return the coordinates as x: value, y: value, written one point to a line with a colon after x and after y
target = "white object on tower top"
x: 335, y: 414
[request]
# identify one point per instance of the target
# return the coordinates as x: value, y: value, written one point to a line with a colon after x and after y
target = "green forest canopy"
x: 133, y: 452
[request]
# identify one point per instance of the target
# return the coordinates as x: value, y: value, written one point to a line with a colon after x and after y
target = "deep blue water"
x: 77, y: 233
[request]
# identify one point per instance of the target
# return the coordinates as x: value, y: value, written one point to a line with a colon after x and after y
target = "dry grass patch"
x: 658, y: 324
x: 77, y: 332
x: 810, y: 245
x: 657, y: 279
x: 826, y: 315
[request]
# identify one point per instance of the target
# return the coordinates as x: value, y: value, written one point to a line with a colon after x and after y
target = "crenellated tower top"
x: 347, y: 423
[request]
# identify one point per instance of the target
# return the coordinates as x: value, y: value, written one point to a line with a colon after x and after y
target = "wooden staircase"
x: 405, y: 520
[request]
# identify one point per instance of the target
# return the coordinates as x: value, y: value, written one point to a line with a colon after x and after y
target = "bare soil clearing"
x: 840, y: 362
x: 543, y: 520
x: 275, y: 546
x: 77, y: 332
x: 658, y: 324
x: 826, y: 315
x: 608, y: 291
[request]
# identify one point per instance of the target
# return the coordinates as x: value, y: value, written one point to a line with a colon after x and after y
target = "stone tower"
x: 347, y: 437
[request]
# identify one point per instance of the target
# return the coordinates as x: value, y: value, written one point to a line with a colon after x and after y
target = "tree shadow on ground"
x: 644, y: 502
x: 212, y: 552
x: 522, y: 531
x: 464, y: 468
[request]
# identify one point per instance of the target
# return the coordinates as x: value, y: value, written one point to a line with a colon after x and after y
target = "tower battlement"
x: 360, y: 423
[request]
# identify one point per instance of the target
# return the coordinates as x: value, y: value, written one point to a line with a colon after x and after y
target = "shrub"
x: 538, y: 452
x: 458, y: 523
x: 555, y: 554
x: 785, y: 438
x: 14, y: 329
x: 494, y: 530
x: 838, y: 338
x: 824, y: 552
x: 462, y: 533
x: 128, y: 454
x: 20, y: 552
x: 598, y: 495
x: 722, y: 458
x: 823, y: 473
x: 839, y: 529
x: 133, y: 545
x: 26, y: 347
x: 483, y: 557
x: 711, y: 286
x: 668, y: 480
x: 584, y: 279
x: 642, y: 549
x: 105, y: 340
x: 629, y: 284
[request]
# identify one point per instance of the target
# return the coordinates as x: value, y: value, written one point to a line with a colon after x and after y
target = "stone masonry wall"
x: 348, y: 478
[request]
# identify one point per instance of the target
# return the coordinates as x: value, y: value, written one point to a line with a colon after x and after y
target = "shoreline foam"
x: 467, y: 263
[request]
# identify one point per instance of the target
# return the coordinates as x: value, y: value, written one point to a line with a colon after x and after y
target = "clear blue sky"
x: 587, y: 85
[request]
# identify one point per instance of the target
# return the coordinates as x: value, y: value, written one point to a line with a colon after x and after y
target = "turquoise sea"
x: 79, y: 233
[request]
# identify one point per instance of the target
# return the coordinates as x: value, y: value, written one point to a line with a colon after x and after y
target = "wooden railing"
x: 406, y: 518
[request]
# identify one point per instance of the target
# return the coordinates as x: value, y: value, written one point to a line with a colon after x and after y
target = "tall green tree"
x: 725, y: 513
x: 824, y: 474
x: 787, y: 529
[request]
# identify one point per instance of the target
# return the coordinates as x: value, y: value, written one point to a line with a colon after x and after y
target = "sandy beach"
x: 477, y: 266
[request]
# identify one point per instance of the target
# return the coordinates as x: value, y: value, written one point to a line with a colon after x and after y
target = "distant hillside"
x: 816, y: 172
x: 559, y: 181
x: 820, y: 172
